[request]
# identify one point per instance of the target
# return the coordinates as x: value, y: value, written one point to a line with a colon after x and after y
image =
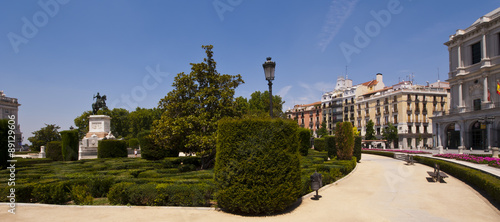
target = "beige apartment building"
x: 408, y: 107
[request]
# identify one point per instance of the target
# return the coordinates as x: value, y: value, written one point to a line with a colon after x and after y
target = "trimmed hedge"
x: 305, y: 141
x: 380, y: 153
x: 54, y: 150
x: 69, y: 145
x: 331, y: 147
x: 319, y: 144
x: 257, y: 167
x: 357, y: 148
x: 476, y: 178
x: 133, y: 143
x: 345, y: 140
x: 183, y: 194
x: 111, y: 148
x: 4, y: 143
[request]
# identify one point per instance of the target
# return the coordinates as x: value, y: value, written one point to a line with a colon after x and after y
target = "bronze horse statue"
x: 100, y: 103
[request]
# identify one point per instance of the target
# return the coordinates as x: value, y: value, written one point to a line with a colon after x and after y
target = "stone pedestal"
x: 461, y: 149
x: 99, y: 128
x: 440, y: 149
x: 42, y: 152
x: 495, y: 151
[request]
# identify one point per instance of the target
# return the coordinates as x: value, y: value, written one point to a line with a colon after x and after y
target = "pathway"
x: 381, y: 189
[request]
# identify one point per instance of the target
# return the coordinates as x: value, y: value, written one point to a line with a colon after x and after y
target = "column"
x: 459, y: 55
x: 485, y: 60
x: 485, y: 88
x: 460, y: 98
x: 461, y: 148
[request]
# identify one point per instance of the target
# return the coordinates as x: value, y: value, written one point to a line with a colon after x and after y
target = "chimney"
x: 379, y: 77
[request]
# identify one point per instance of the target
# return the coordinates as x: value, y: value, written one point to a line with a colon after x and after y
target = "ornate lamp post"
x: 487, y: 120
x: 269, y: 71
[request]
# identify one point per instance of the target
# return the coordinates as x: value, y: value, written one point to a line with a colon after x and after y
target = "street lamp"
x: 269, y: 71
x: 487, y: 120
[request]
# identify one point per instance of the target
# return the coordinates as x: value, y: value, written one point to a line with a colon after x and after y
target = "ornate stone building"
x: 9, y: 107
x: 473, y: 120
x: 307, y: 116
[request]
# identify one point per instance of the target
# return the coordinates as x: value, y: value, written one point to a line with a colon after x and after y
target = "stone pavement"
x: 380, y: 189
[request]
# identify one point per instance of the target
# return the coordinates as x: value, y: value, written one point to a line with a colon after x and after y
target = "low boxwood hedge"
x: 380, y: 153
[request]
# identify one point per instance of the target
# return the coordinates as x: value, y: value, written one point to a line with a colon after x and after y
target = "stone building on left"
x: 8, y: 108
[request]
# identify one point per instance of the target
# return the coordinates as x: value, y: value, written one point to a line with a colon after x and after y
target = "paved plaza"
x: 380, y: 189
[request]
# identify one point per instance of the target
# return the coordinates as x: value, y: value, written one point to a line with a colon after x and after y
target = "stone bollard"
x: 461, y: 149
x: 495, y: 151
x: 441, y: 150
x: 42, y: 152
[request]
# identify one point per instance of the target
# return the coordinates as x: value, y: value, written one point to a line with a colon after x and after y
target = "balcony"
x: 394, y: 110
x: 386, y: 111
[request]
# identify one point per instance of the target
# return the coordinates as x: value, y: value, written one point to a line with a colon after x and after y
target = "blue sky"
x: 56, y: 55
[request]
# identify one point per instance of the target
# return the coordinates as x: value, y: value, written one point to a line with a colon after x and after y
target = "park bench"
x: 437, y: 174
x: 409, y: 159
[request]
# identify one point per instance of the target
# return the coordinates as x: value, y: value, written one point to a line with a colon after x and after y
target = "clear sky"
x: 55, y: 55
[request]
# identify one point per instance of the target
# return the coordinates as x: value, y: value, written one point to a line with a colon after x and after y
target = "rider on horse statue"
x: 100, y: 102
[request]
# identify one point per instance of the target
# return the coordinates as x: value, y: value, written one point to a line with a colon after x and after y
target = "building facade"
x: 9, y: 107
x: 473, y: 120
x: 307, y: 116
x: 408, y: 107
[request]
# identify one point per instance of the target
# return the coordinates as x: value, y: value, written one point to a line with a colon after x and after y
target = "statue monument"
x: 99, y: 128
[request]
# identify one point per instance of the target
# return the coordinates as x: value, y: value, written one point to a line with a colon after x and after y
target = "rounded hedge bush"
x: 111, y: 148
x: 69, y: 145
x: 54, y: 150
x: 319, y: 144
x: 257, y: 167
x: 331, y: 146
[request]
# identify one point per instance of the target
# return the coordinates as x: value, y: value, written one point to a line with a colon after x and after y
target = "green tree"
x: 142, y: 119
x: 82, y: 123
x: 191, y: 111
x: 322, y: 130
x: 259, y: 102
x: 44, y: 135
x: 370, y: 131
x: 344, y: 139
x: 390, y: 133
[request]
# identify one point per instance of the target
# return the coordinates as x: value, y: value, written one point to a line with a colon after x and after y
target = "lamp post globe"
x: 269, y: 67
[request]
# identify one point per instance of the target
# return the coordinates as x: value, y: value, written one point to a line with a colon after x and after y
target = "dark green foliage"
x: 80, y: 194
x: 191, y: 111
x: 119, y: 193
x: 319, y: 144
x: 357, y: 148
x: 111, y: 148
x: 4, y: 143
x: 183, y: 194
x: 344, y: 140
x: 257, y: 169
x: 305, y: 141
x: 151, y: 151
x: 54, y: 150
x: 52, y: 193
x: 69, y: 145
x: 473, y: 177
x: 186, y: 168
x: 133, y: 143
x: 99, y: 185
x: 390, y: 133
x: 142, y: 194
x: 44, y: 135
x: 331, y: 146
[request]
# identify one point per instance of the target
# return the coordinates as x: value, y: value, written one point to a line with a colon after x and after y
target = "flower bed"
x: 492, y: 161
x: 399, y: 151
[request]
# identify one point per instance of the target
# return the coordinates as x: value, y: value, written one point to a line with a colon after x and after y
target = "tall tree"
x: 260, y: 102
x: 44, y: 135
x: 119, y: 123
x: 142, y: 119
x: 82, y: 123
x: 190, y: 111
x: 322, y: 130
x: 344, y: 139
x: 370, y: 131
x: 390, y: 134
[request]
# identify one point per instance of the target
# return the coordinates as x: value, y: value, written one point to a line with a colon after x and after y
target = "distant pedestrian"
x: 135, y: 152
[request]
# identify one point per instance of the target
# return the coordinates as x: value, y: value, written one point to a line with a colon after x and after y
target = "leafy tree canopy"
x: 190, y: 111
x: 370, y: 131
x: 44, y: 135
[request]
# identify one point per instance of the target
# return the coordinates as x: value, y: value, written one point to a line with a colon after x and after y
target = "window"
x: 476, y: 52
x: 378, y: 131
x: 477, y: 104
x: 395, y: 119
